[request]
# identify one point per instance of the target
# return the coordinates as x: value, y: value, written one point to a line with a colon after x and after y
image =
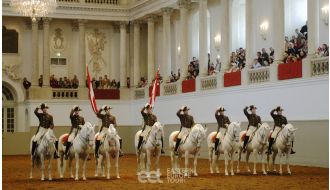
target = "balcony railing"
x: 101, y: 2
x: 209, y: 82
x: 170, y: 89
x: 259, y: 75
x: 65, y: 93
x: 139, y: 93
x: 320, y: 66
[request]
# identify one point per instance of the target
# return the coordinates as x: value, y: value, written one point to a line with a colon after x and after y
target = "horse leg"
x: 263, y: 163
x: 96, y: 167
x: 195, y: 164
x: 61, y: 167
x: 117, y: 165
x: 288, y: 162
x: 247, y: 160
x: 217, y: 170
x: 70, y: 167
x: 84, y: 168
x: 77, y: 166
x: 273, y: 161
x: 186, y: 162
x: 50, y: 168
x: 232, y: 163
x: 42, y: 167
x: 107, y: 156
x: 255, y: 153
x: 138, y: 167
x: 157, y: 165
x: 31, y: 172
x: 226, y: 161
x: 103, y: 165
x: 268, y: 162
x: 239, y: 159
x: 280, y: 160
x: 211, y: 160
x: 148, y: 163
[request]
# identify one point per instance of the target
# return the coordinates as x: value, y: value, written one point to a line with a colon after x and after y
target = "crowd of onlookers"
x: 263, y: 58
x: 237, y: 60
x: 193, y: 69
x: 323, y: 50
x: 105, y: 83
x: 62, y: 82
x: 174, y: 77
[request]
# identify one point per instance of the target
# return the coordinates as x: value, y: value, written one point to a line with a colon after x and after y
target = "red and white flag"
x: 91, y: 91
x: 154, y: 89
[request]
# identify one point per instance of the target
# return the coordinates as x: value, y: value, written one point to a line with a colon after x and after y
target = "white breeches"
x: 250, y: 131
x: 276, y: 131
x: 73, y: 134
x: 184, y: 132
x: 146, y: 131
x: 40, y: 133
x: 102, y: 133
x: 221, y: 133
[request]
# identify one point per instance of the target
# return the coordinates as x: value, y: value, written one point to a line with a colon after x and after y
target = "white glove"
x: 182, y: 108
x: 103, y: 107
x: 147, y: 104
x: 74, y: 107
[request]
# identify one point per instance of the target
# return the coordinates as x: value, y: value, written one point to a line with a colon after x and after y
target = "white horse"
x: 282, y: 146
x: 190, y: 146
x: 78, y: 149
x: 45, y: 150
x: 228, y: 146
x: 152, y: 146
x: 258, y: 145
x: 111, y: 148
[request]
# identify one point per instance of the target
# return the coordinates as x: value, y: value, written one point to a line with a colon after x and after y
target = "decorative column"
x: 136, y: 53
x: 82, y: 57
x: 46, y: 52
x: 123, y: 73
x: 203, y: 71
x: 312, y: 25
x: 166, y: 69
x: 184, y: 60
x: 278, y: 20
x: 225, y: 35
x: 35, y: 73
x: 151, y: 47
x: 248, y: 33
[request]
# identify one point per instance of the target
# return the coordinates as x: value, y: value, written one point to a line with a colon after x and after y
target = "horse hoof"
x: 265, y: 173
x: 254, y: 173
x: 84, y: 178
x: 76, y: 178
x: 31, y: 177
x: 289, y: 173
x: 211, y: 172
x: 232, y: 174
x: 238, y: 171
x: 42, y: 179
x: 217, y: 171
x: 226, y: 174
x: 118, y: 177
x: 72, y: 176
x: 50, y: 179
x: 108, y: 177
x: 61, y: 177
x: 195, y: 174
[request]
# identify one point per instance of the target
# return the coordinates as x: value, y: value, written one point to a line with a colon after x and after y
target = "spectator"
x: 271, y: 54
x: 75, y: 82
x: 218, y: 65
x: 61, y: 83
x: 303, y: 30
x: 323, y: 50
x: 26, y: 83
x: 259, y: 58
x: 128, y: 82
x: 264, y: 56
x: 256, y: 64
x: 40, y: 80
x: 106, y: 81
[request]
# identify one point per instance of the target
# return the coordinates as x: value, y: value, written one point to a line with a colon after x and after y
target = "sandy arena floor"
x: 15, y: 173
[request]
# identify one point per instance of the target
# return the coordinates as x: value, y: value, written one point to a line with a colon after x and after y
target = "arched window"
x: 8, y: 110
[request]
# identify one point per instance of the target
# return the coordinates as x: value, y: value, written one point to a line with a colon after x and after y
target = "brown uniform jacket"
x: 187, y: 121
x: 222, y: 120
x: 254, y: 119
x: 76, y: 120
x: 45, y: 119
x: 279, y: 120
x: 149, y: 119
x: 107, y: 119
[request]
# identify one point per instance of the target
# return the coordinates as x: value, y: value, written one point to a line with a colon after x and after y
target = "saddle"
x: 244, y: 135
x: 65, y: 139
x: 177, y: 135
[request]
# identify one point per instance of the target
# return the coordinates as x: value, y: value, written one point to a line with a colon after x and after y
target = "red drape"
x: 290, y: 70
x: 188, y: 86
x: 113, y: 94
x: 157, y: 90
x: 232, y: 79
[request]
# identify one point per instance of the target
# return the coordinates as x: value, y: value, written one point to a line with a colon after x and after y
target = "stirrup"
x: 121, y: 153
x: 292, y: 152
x: 162, y: 151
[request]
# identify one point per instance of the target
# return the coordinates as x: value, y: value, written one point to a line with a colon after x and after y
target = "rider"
x: 187, y: 122
x: 45, y: 122
x: 279, y: 122
x: 254, y: 123
x: 76, y: 120
x: 149, y: 120
x: 107, y: 119
x: 223, y: 122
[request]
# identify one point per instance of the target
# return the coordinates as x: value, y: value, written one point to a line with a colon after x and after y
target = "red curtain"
x: 232, y: 79
x: 113, y: 94
x: 157, y: 90
x: 290, y: 70
x: 188, y: 86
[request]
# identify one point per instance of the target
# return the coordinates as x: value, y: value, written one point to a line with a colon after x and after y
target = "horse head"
x: 288, y: 132
x: 112, y: 132
x: 264, y: 131
x: 157, y: 132
x: 87, y: 132
x: 233, y: 131
x: 198, y: 132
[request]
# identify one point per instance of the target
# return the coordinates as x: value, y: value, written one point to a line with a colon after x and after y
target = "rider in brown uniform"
x: 254, y: 122
x: 223, y: 122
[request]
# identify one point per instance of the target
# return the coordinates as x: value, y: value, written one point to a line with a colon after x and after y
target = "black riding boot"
x: 56, y: 150
x: 67, y: 147
x: 140, y: 143
x: 97, y: 146
x: 292, y: 152
x: 271, y: 142
x: 34, y: 146
x: 120, y: 144
x: 216, y: 144
x: 177, y: 146
x: 162, y: 151
x: 246, y: 140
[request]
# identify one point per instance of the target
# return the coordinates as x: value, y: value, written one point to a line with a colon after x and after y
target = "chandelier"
x: 34, y: 8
